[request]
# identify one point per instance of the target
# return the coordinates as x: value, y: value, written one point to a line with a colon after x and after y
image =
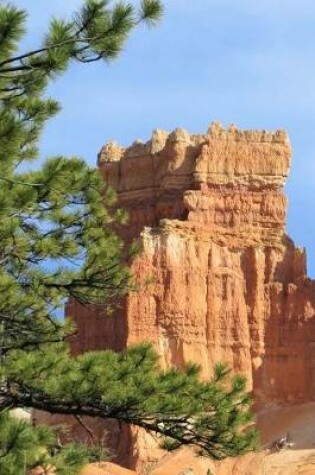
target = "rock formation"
x: 299, y: 421
x: 225, y: 281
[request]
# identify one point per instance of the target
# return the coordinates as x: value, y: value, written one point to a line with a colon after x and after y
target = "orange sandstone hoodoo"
x: 228, y: 284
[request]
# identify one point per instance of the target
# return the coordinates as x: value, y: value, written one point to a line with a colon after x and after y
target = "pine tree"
x: 56, y: 242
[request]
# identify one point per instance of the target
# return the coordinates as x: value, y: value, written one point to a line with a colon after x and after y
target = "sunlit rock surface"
x: 225, y: 281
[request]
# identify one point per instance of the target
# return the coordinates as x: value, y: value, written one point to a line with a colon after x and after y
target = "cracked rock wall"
x: 227, y: 283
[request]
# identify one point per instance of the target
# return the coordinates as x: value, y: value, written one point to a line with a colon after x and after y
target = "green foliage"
x: 212, y: 415
x: 151, y: 11
x: 57, y: 243
x: 24, y: 447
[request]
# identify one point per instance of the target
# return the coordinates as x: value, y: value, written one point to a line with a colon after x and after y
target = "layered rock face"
x: 225, y: 281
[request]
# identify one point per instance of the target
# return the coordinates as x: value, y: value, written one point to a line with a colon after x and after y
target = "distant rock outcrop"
x: 227, y: 283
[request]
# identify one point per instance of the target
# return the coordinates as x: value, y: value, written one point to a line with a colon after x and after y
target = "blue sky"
x: 246, y: 62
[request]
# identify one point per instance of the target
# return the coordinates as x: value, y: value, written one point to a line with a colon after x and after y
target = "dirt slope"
x: 299, y: 422
x: 106, y: 468
x: 274, y: 422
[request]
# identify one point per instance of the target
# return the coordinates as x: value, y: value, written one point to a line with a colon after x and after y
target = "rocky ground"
x: 275, y: 422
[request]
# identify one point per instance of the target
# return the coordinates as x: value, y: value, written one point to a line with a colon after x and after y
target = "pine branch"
x: 17, y: 182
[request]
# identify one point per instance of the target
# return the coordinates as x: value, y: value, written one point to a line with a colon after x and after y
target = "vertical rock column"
x: 226, y: 283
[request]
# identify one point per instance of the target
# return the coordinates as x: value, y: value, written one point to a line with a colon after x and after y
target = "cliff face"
x: 227, y: 284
